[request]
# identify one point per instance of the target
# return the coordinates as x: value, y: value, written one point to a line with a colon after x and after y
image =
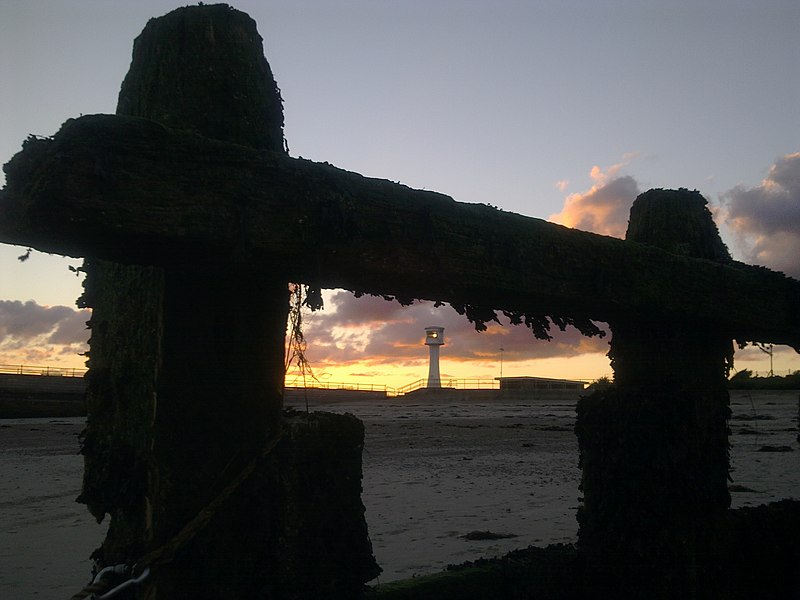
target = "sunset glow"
x: 495, y: 121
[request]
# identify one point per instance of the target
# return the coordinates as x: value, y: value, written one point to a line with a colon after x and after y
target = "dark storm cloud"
x: 766, y: 218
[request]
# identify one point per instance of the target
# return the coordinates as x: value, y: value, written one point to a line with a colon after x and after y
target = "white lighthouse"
x: 434, y: 337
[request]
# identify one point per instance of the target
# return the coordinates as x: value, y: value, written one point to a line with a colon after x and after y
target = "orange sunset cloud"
x: 604, y: 207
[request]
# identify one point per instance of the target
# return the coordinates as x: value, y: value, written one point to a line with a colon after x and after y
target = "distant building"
x: 538, y: 384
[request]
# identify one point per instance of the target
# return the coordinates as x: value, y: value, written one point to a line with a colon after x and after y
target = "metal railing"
x: 45, y: 371
x: 335, y: 385
x: 458, y: 384
x: 453, y: 383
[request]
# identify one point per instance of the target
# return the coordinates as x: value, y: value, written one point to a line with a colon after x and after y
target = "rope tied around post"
x: 103, y: 582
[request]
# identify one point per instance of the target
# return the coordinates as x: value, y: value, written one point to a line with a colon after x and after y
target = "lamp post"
x: 501, y: 361
x: 767, y: 349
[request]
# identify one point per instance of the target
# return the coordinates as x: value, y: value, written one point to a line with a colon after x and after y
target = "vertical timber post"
x: 654, y: 447
x: 186, y: 369
x: 186, y: 362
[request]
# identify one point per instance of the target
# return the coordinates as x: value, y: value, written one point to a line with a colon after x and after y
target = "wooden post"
x: 654, y: 447
x: 187, y: 365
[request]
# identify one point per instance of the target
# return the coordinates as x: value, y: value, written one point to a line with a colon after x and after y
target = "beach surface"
x: 433, y: 473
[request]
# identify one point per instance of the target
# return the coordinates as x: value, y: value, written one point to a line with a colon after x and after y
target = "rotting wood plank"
x: 134, y: 191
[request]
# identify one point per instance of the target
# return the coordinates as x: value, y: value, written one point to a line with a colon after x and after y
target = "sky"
x: 557, y: 110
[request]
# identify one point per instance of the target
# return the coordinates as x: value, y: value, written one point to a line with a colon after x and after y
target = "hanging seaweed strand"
x: 300, y: 296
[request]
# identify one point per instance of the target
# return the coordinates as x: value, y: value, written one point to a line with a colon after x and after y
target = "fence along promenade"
x: 45, y: 371
x: 311, y: 384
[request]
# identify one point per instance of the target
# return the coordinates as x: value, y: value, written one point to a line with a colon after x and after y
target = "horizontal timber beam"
x: 133, y: 191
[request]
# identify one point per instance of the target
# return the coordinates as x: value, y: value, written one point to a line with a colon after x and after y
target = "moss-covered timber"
x: 202, y: 69
x: 654, y: 447
x: 654, y: 489
x: 121, y: 396
x: 308, y: 537
x: 186, y: 372
x: 181, y: 389
x: 135, y: 191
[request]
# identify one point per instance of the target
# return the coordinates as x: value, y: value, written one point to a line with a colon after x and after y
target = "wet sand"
x: 432, y: 474
x: 45, y: 536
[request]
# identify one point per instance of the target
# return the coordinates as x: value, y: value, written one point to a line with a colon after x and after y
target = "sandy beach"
x: 432, y: 474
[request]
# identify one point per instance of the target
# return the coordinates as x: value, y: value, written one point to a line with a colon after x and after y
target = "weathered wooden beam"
x: 134, y: 191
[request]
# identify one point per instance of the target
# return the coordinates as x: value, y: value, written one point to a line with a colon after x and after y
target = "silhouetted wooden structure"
x: 193, y: 218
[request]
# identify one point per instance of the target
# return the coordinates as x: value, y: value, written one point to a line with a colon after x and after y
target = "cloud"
x: 604, y: 208
x: 371, y: 332
x: 35, y: 334
x: 765, y: 219
x: 71, y: 329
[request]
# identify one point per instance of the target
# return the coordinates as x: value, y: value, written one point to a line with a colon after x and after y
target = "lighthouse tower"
x: 434, y: 337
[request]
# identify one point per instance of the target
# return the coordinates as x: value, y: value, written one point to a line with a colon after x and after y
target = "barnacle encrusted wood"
x: 186, y: 369
x: 677, y: 221
x: 654, y: 447
x: 135, y: 191
x: 204, y: 70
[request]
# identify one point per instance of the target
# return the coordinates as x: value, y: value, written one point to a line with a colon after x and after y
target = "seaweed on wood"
x: 133, y: 191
